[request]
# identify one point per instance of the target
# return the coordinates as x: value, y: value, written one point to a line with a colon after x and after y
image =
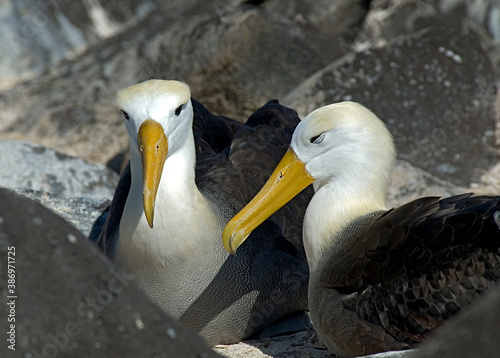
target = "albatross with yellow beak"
x: 379, y: 279
x: 165, y: 223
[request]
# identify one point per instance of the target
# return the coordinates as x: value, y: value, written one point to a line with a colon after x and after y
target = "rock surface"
x: 81, y: 212
x: 72, y: 188
x: 429, y: 68
x: 38, y: 35
x: 434, y: 90
x: 68, y: 300
x: 34, y: 167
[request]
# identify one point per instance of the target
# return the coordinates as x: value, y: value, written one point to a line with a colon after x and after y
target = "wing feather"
x: 413, y: 267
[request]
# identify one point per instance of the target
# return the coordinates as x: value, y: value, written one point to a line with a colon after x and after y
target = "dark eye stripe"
x: 317, y: 139
x: 178, y: 110
x: 125, y: 115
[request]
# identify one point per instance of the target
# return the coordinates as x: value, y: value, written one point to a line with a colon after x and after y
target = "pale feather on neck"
x: 181, y: 211
x: 335, y: 204
x: 179, y: 203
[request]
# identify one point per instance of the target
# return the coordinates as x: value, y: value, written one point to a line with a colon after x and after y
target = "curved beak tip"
x: 232, y: 238
x: 228, y: 244
x: 149, y: 207
x: 230, y: 249
x: 149, y: 216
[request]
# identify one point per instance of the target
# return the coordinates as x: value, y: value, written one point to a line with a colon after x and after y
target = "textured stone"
x: 30, y: 166
x: 68, y: 299
x: 235, y: 56
x: 83, y: 213
x: 70, y: 187
x: 410, y: 183
x: 38, y: 35
x: 434, y: 90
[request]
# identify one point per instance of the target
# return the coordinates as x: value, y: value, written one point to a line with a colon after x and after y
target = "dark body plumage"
x: 413, y: 267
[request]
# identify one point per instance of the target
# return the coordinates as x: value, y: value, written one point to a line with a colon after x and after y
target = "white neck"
x: 185, y: 233
x: 335, y: 204
x: 181, y: 212
x: 352, y: 162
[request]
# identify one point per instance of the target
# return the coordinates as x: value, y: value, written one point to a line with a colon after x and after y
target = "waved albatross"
x: 189, y: 172
x: 379, y: 279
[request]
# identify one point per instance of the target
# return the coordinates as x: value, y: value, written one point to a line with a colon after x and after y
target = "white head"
x: 346, y: 151
x: 345, y: 142
x: 158, y: 115
x: 166, y: 102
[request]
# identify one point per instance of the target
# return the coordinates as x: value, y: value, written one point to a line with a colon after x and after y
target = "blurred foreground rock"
x: 61, y: 309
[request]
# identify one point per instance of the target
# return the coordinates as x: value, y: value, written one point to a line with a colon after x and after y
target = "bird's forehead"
x: 321, y: 120
x: 152, y: 93
x: 341, y: 114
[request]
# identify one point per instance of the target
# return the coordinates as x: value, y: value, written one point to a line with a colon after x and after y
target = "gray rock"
x: 410, y: 183
x: 235, y: 57
x: 68, y: 300
x: 70, y: 187
x: 434, y: 90
x: 389, y: 20
x: 38, y: 35
x: 339, y: 20
x: 84, y: 213
x: 34, y: 167
x: 393, y: 354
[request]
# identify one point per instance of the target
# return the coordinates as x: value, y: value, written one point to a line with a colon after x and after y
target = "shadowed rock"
x: 69, y: 300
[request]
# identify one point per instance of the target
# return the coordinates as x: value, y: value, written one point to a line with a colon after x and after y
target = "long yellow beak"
x: 288, y: 179
x: 153, y: 148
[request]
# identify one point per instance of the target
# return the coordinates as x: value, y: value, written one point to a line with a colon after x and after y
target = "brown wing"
x: 106, y: 236
x: 212, y: 134
x: 234, y: 176
x: 417, y: 265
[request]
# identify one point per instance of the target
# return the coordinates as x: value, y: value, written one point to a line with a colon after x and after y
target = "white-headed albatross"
x: 165, y: 222
x: 379, y: 279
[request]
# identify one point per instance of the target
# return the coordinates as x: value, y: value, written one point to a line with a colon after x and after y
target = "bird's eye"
x: 317, y: 139
x: 125, y: 115
x: 178, y: 110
